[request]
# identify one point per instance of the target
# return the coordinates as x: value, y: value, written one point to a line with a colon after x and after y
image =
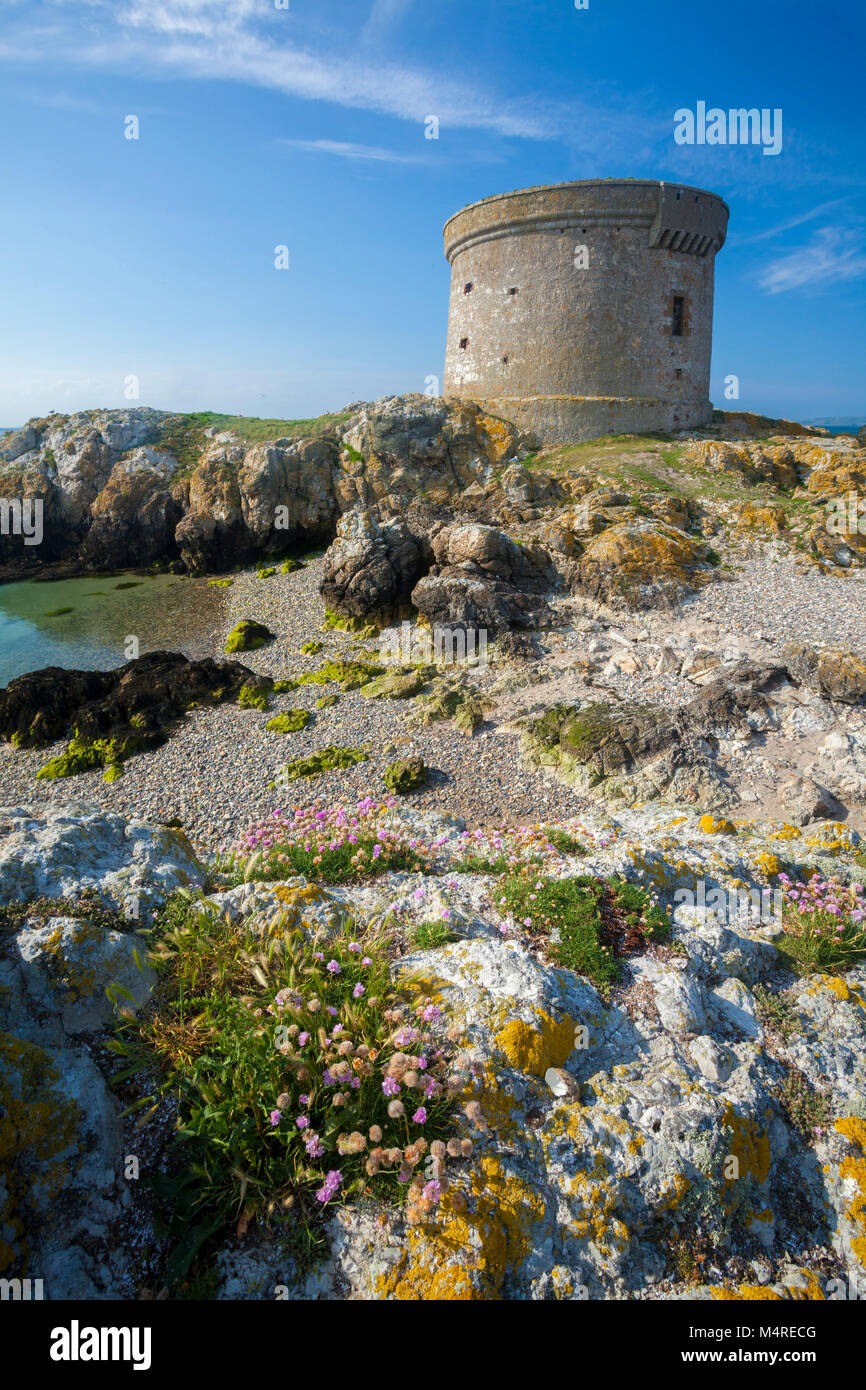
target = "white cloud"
x: 249, y: 41
x: 834, y: 254
x: 346, y: 150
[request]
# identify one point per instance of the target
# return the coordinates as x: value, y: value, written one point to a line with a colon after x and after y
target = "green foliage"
x: 282, y: 687
x: 349, y: 675
x: 311, y: 648
x: 429, y: 934
x: 595, y: 920
x: 360, y: 627
x: 220, y: 583
x: 327, y: 701
x: 289, y: 723
x: 805, y: 1108
x: 775, y: 1014
x: 251, y: 1034
x: 85, y: 755
x: 267, y: 572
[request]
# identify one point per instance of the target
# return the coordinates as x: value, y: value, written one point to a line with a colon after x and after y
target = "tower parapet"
x: 582, y: 309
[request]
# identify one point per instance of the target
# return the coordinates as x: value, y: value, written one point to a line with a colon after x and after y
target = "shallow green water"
x: 164, y: 612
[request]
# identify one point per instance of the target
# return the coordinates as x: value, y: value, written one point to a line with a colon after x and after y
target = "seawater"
x: 165, y: 613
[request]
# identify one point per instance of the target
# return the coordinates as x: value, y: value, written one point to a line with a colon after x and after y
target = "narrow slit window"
x: 678, y: 316
x: 512, y: 291
x: 467, y: 288
x: 464, y: 342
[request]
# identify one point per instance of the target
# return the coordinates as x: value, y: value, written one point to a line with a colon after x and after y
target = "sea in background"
x: 83, y: 624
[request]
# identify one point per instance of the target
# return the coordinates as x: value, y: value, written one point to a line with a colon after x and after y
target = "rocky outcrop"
x: 133, y: 706
x: 371, y: 568
x: 833, y: 671
x: 626, y: 752
x: 644, y: 564
x: 142, y: 485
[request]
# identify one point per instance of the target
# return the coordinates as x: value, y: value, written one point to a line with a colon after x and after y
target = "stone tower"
x: 582, y: 309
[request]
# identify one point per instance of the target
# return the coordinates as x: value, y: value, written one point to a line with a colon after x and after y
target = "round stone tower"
x: 582, y: 309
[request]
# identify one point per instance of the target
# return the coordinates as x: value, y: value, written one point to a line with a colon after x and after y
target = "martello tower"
x: 581, y: 309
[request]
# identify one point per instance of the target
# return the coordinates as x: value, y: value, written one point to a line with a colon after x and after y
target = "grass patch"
x: 593, y: 922
x: 427, y: 935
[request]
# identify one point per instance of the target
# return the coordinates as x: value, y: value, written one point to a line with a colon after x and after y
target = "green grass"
x: 183, y: 436
x: 597, y: 920
x: 427, y: 935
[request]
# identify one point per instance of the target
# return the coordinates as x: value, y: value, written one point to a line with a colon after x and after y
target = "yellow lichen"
x: 533, y: 1047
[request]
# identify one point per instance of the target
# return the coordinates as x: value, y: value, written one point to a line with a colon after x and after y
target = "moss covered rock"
x: 326, y: 760
x: 405, y: 775
x: 248, y: 636
x: 292, y: 722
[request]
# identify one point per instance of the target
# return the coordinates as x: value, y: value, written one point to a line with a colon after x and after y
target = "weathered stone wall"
x: 562, y: 304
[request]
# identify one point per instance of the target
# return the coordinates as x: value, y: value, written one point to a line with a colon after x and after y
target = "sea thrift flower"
x: 330, y: 1186
x: 333, y: 966
x: 358, y: 991
x: 302, y: 1122
x: 275, y: 1117
x: 420, y: 1116
x: 390, y: 1087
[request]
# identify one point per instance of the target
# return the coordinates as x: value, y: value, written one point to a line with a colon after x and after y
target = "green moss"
x: 129, y: 584
x: 282, y: 687
x: 349, y: 675
x: 405, y: 775
x: 361, y: 628
x: 57, y: 612
x: 250, y: 697
x: 220, y: 583
x: 290, y: 723
x: 327, y: 701
x: 397, y: 685
x: 311, y: 648
x: 267, y: 572
x: 83, y: 755
x: 326, y: 760
x: 248, y: 636
x: 112, y: 773
x: 289, y: 566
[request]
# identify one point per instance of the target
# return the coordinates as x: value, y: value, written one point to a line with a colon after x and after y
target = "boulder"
x: 371, y: 567
x: 644, y: 564
x: 839, y: 674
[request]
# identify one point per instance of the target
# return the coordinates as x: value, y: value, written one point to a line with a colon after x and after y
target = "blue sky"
x: 305, y: 126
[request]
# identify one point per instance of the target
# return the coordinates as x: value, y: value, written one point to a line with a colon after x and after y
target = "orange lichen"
x: 466, y: 1255
x: 533, y: 1047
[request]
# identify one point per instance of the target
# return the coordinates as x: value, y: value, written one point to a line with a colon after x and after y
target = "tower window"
x: 505, y: 359
x: 512, y: 291
x: 467, y: 288
x: 678, y: 316
x: 464, y: 342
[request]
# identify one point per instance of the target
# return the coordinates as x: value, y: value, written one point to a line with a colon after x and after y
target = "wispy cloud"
x: 791, y: 223
x: 384, y: 16
x: 245, y: 41
x: 834, y: 254
x: 346, y: 150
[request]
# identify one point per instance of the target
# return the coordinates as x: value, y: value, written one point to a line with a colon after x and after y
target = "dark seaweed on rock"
x: 141, y: 699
